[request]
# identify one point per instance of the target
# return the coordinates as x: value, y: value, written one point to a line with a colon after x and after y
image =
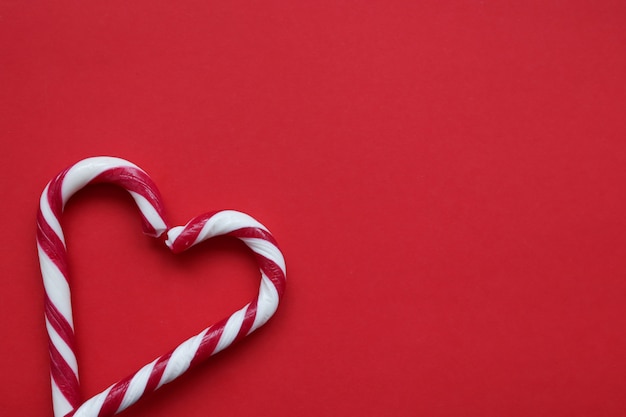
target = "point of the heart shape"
x: 66, y: 396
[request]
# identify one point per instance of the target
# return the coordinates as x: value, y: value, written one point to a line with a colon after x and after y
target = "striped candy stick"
x: 53, y: 259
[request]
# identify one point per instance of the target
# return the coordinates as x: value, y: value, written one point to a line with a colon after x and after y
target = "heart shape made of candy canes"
x: 58, y: 308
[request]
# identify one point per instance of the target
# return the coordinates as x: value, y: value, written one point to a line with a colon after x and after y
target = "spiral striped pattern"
x: 58, y: 309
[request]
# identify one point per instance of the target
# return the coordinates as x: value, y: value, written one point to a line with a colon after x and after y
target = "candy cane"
x: 58, y: 310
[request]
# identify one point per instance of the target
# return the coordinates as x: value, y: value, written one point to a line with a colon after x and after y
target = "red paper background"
x: 446, y: 180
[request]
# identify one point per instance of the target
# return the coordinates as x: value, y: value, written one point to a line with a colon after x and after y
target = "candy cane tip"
x: 156, y: 233
x: 172, y: 235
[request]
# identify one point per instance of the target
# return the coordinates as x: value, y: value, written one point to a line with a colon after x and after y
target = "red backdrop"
x: 445, y: 179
